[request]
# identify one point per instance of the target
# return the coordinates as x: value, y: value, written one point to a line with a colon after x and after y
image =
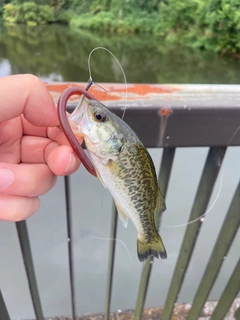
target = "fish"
x: 125, y: 168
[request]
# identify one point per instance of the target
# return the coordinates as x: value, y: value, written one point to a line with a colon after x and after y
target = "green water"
x: 60, y: 54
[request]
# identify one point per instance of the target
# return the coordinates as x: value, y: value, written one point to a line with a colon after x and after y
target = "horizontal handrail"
x: 171, y: 115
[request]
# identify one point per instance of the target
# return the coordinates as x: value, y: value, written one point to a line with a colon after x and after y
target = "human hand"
x: 32, y: 149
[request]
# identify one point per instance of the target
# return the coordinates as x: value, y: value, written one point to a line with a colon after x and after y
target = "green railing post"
x: 111, y: 257
x: 230, y: 292
x: 29, y: 267
x: 205, y: 187
x: 3, y: 309
x: 70, y: 244
x: 225, y: 238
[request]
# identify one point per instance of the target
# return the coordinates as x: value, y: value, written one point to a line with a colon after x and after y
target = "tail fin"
x: 154, y: 247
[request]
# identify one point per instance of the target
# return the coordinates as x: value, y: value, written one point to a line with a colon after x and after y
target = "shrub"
x: 29, y: 13
x: 33, y: 14
x: 212, y: 25
x: 9, y: 13
x: 101, y: 21
x: 63, y: 16
x: 175, y: 15
x: 139, y: 22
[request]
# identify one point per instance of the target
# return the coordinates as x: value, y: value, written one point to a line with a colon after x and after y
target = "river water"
x: 56, y: 53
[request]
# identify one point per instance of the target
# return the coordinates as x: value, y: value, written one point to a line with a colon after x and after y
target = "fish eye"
x: 99, y: 117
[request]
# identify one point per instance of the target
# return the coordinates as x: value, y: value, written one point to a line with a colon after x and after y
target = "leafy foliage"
x: 212, y: 25
x: 33, y: 14
x: 204, y: 24
x: 29, y: 13
x: 114, y: 22
x: 9, y: 13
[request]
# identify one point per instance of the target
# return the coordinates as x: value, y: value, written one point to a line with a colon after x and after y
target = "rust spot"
x: 60, y: 87
x: 143, y: 89
x: 103, y: 95
x: 165, y: 112
x: 99, y: 94
x: 114, y: 91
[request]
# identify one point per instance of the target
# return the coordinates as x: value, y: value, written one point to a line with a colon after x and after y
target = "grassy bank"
x: 212, y: 25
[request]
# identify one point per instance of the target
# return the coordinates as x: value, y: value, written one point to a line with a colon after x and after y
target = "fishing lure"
x: 62, y: 105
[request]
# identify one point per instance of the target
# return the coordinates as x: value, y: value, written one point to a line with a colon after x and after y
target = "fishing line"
x: 121, y: 68
x: 116, y: 239
x: 216, y: 198
x: 204, y: 214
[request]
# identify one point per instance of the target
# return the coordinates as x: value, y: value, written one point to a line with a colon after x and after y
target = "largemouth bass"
x: 125, y: 168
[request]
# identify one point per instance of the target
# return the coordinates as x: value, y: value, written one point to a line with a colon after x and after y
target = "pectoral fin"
x: 100, y: 178
x: 123, y: 216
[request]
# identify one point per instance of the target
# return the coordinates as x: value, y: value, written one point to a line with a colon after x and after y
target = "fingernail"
x: 72, y: 161
x: 6, y: 178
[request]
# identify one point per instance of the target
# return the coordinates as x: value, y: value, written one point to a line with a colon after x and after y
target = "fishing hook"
x: 61, y: 108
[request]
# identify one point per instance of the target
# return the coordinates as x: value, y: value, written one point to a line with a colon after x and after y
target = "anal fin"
x: 161, y: 206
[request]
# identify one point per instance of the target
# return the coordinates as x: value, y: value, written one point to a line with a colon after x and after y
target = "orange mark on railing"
x: 103, y: 95
x: 114, y: 91
x: 164, y: 113
x: 60, y: 87
x: 143, y: 89
x: 99, y: 94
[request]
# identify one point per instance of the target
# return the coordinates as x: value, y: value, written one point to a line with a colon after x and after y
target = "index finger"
x: 26, y: 94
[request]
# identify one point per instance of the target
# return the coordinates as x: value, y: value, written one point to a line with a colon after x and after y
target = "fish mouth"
x: 76, y: 116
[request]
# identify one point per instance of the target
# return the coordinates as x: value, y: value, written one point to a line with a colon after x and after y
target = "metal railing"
x: 172, y: 116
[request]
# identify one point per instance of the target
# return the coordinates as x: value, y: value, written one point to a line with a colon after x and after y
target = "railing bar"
x: 237, y: 314
x: 231, y: 290
x: 163, y: 179
x: 29, y: 267
x: 165, y: 169
x: 225, y: 238
x: 111, y: 258
x: 70, y: 243
x: 3, y: 309
x: 143, y: 286
x: 209, y: 175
